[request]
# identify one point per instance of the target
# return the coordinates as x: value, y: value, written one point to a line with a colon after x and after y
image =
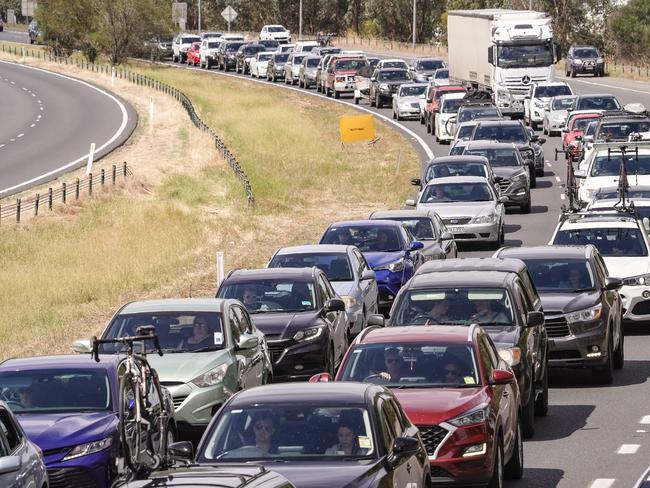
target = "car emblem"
x: 525, y: 79
x: 454, y: 221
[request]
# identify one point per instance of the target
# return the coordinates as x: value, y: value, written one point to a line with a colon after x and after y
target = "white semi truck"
x: 502, y: 51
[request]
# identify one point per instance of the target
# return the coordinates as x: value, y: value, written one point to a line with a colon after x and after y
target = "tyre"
x: 619, y: 354
x: 337, y: 95
x: 371, y: 100
x: 526, y: 207
x: 497, y: 471
x: 331, y: 367
x: 528, y: 415
x: 428, y: 124
x: 299, y: 83
x: 605, y: 374
x: 394, y: 116
x: 356, y: 101
x: 378, y: 102
x: 539, y: 172
x: 541, y: 403
x: 514, y: 469
x: 328, y: 93
x: 573, y: 73
x: 130, y: 430
x: 421, y: 119
x: 534, y: 125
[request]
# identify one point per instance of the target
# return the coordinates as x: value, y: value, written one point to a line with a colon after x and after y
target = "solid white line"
x: 33, y: 125
x: 602, y: 483
x: 118, y: 133
x: 602, y: 84
x: 645, y: 420
x: 557, y: 178
x: 2, y: 145
x: 628, y: 449
x: 641, y: 431
x: 20, y: 135
x: 549, y: 164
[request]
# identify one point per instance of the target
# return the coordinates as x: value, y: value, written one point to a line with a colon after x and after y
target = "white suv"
x: 537, y: 99
x: 275, y: 33
x: 449, y: 105
x: 208, y: 52
x: 623, y: 243
x: 181, y: 44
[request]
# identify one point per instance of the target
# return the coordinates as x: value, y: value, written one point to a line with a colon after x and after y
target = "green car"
x: 211, y: 350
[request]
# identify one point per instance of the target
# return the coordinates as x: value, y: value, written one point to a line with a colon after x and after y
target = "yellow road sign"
x: 353, y: 128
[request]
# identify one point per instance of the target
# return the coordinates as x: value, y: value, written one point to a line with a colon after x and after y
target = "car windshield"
x: 451, y: 105
x: 276, y: 28
x: 264, y: 57
x: 394, y: 64
x: 501, y: 133
x: 561, y: 274
x: 233, y: 46
x: 272, y: 295
x: 456, y: 169
x: 421, y: 227
x: 349, y: 64
x: 429, y: 64
x: 213, y: 45
x: 467, y: 114
x: 298, y: 59
x: 252, y: 50
x: 456, y: 192
x: 619, y: 131
x: 613, y: 241
x: 613, y: 194
x: 281, y: 58
x: 177, y: 332
x: 497, y: 157
x: 581, y: 124
x: 462, y: 306
x: 292, y: 431
x: 552, y: 91
x: 190, y: 40
x: 585, y: 52
x: 591, y: 128
x: 465, y: 131
x: 335, y: 266
x: 379, y: 238
x: 312, y: 62
x: 412, y: 91
x: 525, y: 56
x: 441, y: 74
x: 56, y: 390
x: 607, y: 165
x: 562, y: 103
x: 397, y: 75
x: 597, y: 103
x: 404, y: 365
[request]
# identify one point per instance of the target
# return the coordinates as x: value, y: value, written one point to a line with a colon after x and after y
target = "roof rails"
x: 622, y: 144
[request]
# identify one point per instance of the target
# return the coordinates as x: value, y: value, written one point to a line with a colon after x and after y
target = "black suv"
x: 384, y: 83
x: 300, y: 314
x: 244, y: 55
x: 497, y: 294
x: 227, y: 54
x: 582, y: 307
x: 584, y: 59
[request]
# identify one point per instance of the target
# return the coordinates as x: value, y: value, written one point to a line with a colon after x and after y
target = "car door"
x: 251, y: 361
x: 369, y: 289
x: 399, y: 469
x: 336, y: 320
x: 611, y: 297
x: 15, y: 444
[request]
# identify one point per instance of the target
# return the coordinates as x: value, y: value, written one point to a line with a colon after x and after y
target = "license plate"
x: 456, y: 230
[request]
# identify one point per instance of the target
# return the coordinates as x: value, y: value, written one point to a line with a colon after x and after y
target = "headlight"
x: 308, y: 334
x: 231, y: 56
x: 89, y: 448
x: 393, y: 267
x: 483, y: 219
x: 475, y: 416
x: 384, y: 87
x: 600, y: 60
x: 585, y: 315
x: 577, y: 61
x: 349, y: 301
x: 637, y: 280
x: 520, y: 177
x: 539, y: 104
x: 511, y: 355
x: 211, y: 377
x: 527, y: 153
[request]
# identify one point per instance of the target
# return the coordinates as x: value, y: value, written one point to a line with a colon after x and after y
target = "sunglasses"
x: 266, y: 428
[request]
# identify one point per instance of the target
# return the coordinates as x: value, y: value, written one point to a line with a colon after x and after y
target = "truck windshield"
x: 518, y: 56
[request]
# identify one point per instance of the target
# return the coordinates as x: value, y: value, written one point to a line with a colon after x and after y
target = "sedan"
x: 292, y: 68
x: 556, y: 113
x: 259, y: 64
x: 406, y: 102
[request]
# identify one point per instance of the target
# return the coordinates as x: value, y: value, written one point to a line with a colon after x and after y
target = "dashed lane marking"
x: 549, y: 164
x: 602, y: 483
x: 557, y: 178
x: 562, y: 196
x: 628, y: 449
x: 645, y: 420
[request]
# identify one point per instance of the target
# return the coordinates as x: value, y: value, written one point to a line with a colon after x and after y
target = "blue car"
x: 389, y: 248
x: 68, y: 406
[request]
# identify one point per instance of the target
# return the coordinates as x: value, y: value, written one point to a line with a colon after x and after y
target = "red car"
x: 575, y: 126
x: 432, y: 101
x: 455, y: 388
x: 193, y: 55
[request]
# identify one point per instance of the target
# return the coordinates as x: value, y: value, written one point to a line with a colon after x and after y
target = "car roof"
x: 473, y: 264
x: 336, y: 392
x: 77, y: 361
x: 458, y: 179
x: 365, y: 223
x: 403, y: 85
x: 314, y: 248
x: 174, y: 305
x: 561, y: 252
x: 564, y: 97
x: 485, y: 144
x: 551, y: 83
x: 463, y: 278
x: 597, y: 95
x: 500, y: 122
x: 415, y: 334
x: 306, y: 274
x: 454, y: 95
x: 387, y: 214
x: 465, y: 158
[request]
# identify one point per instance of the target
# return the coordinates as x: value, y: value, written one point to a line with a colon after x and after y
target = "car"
x: 388, y: 247
x: 432, y: 102
x: 512, y: 174
x: 21, y: 461
x: 556, y: 112
x: 34, y: 32
x: 574, y: 130
x: 340, y: 75
x: 346, y: 269
x: 321, y: 70
x: 497, y: 294
x: 292, y: 67
x: 323, y: 50
x: 306, y: 428
x: 384, y: 83
x: 623, y: 243
x: 602, y: 102
x: 461, y: 165
x: 440, y: 77
x: 181, y: 44
x: 258, y: 66
x: 584, y: 59
x: 613, y: 128
x: 470, y: 111
x: 470, y: 207
x: 275, y: 33
x: 269, y: 45
x: 304, y: 47
x: 455, y: 388
x: 193, y: 55
x: 275, y: 66
x: 448, y: 110
x: 393, y: 64
x: 208, y: 52
x: 423, y: 69
x: 302, y: 317
x: 213, y: 349
x: 538, y: 97
x: 161, y: 47
x: 307, y: 72
x: 427, y: 227
x: 211, y: 35
x: 68, y: 406
x: 286, y: 48
x: 227, y: 54
x: 245, y: 54
x: 582, y: 306
x: 407, y: 100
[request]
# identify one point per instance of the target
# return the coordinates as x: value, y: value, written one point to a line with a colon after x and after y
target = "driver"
x: 264, y: 428
x: 201, y: 334
x: 382, y: 240
x: 25, y: 396
x: 393, y: 362
x: 485, y: 313
x: 249, y: 297
x: 438, y: 313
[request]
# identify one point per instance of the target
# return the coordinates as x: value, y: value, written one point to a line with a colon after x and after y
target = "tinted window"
x: 585, y: 52
x: 272, y: 295
x: 313, y: 62
x: 501, y: 133
x: 497, y: 157
x: 8, y: 431
x: 451, y: 105
x: 456, y: 169
x: 581, y: 124
x: 626, y: 241
x: 349, y: 64
x: 281, y: 58
x: 611, y: 165
x: 276, y: 28
x: 335, y: 266
x: 411, y: 91
x: 430, y: 64
x: 441, y: 74
x: 397, y: 75
x: 597, y: 103
x: 563, y: 103
x: 552, y: 91
x: 420, y: 227
x: 368, y: 239
x: 456, y: 192
x: 394, y: 64
x: 467, y: 114
x: 621, y: 130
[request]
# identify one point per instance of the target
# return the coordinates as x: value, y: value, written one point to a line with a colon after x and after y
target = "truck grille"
x: 457, y: 221
x: 432, y: 436
x: 556, y: 325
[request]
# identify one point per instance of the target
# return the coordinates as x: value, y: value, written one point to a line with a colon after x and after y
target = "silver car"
x: 427, y: 227
x: 21, y: 462
x: 469, y: 205
x: 346, y: 269
x: 307, y: 71
x: 556, y: 114
x: 407, y: 100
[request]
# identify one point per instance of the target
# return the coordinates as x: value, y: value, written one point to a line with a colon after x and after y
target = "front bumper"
x: 475, y: 232
x: 574, y: 350
x: 195, y: 406
x: 516, y: 197
x: 635, y: 306
x: 409, y: 112
x: 343, y: 86
x: 298, y: 361
x: 537, y: 114
x: 585, y: 68
x: 93, y: 470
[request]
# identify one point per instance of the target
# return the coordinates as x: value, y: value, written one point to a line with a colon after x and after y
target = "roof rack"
x: 622, y: 144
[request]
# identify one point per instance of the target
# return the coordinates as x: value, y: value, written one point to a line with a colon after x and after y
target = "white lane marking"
x: 33, y: 125
x: 114, y: 137
x: 549, y: 164
x: 2, y: 145
x: 628, y: 449
x: 20, y: 135
x: 557, y: 178
x: 641, y: 431
x: 562, y: 196
x: 602, y: 483
x: 606, y: 86
x: 645, y: 420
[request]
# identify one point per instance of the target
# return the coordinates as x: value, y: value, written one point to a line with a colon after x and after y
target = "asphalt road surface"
x: 593, y: 436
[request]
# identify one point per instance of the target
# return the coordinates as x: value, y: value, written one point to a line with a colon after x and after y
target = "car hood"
x: 57, y: 430
x: 284, y: 325
x: 431, y: 406
x: 185, y: 366
x: 507, y: 171
x: 568, y: 302
x: 410, y: 99
x: 343, y: 287
x: 624, y: 267
x: 330, y: 474
x: 503, y: 335
x: 459, y: 209
x: 376, y: 259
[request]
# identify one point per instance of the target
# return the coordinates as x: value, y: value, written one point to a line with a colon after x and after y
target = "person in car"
x: 440, y: 193
x: 393, y: 362
x: 452, y: 370
x: 344, y: 237
x: 25, y: 396
x: 486, y: 314
x: 438, y: 313
x: 575, y: 280
x: 263, y: 429
x: 249, y: 298
x: 348, y: 442
x: 442, y: 171
x: 383, y: 240
x: 201, y: 334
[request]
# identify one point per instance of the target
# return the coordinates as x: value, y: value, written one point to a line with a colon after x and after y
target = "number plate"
x: 456, y: 230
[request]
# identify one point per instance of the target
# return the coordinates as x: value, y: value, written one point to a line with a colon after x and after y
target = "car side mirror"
x: 405, y: 447
x: 535, y: 137
x: 410, y: 202
x: 334, y: 305
x: 416, y: 245
x: 534, y: 319
x: 320, y: 378
x: 446, y: 236
x: 10, y: 464
x: 502, y: 377
x: 503, y: 199
x: 580, y: 173
x: 248, y: 342
x: 541, y: 140
x: 613, y: 283
x: 182, y: 451
x: 82, y: 346
x: 376, y: 320
x: 368, y: 275
x: 416, y: 182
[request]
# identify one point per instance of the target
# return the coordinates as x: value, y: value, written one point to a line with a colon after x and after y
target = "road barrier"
x: 148, y: 82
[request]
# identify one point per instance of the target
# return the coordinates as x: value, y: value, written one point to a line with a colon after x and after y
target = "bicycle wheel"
x: 130, y: 429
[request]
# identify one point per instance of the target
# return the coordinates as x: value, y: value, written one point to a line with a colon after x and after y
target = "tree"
x: 66, y: 25
x: 631, y: 30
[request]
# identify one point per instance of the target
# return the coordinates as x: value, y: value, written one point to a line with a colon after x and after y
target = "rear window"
x: 615, y: 241
x: 349, y: 64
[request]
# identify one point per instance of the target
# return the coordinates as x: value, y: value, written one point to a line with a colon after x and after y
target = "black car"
x: 244, y: 55
x: 499, y: 295
x: 582, y: 307
x: 515, y: 132
x: 300, y: 314
x: 269, y: 44
x: 275, y: 66
x: 193, y: 476
x: 583, y: 60
x: 384, y: 83
x: 227, y: 54
x: 511, y: 173
x: 319, y: 435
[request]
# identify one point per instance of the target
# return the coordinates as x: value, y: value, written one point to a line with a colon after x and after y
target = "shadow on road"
x: 538, y: 478
x: 543, y: 184
x: 561, y: 422
x: 513, y: 242
x: 536, y: 209
x: 634, y: 373
x: 510, y: 228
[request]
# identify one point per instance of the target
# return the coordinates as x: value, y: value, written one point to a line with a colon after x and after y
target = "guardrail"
x: 154, y: 84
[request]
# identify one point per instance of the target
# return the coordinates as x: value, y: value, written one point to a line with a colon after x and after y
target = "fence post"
x: 18, y: 211
x: 90, y: 183
x: 77, y: 190
x: 36, y: 203
x: 103, y: 176
x: 114, y: 174
x: 63, y: 192
x: 49, y: 198
x: 124, y: 169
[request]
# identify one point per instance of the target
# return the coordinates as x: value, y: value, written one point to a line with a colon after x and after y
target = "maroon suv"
x: 453, y: 385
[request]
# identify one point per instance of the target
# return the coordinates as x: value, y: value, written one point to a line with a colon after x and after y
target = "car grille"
x: 570, y: 354
x: 457, y: 221
x: 556, y: 325
x: 642, y: 308
x: 276, y: 349
x: 432, y: 436
x: 504, y: 184
x: 70, y: 478
x: 437, y: 472
x: 178, y: 400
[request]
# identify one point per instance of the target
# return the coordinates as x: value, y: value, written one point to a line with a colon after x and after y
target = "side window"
x: 522, y: 304
x: 322, y: 290
x: 245, y: 326
x: 363, y: 265
x: 9, y: 432
x: 235, y: 325
x: 393, y: 418
x: 601, y: 268
x: 530, y: 292
x: 388, y: 423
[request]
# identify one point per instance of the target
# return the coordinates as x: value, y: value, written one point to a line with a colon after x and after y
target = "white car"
x: 292, y: 68
x: 275, y: 33
x: 407, y: 101
x: 538, y: 97
x: 180, y: 46
x: 392, y: 63
x: 259, y: 64
x: 208, y: 52
x: 603, y: 166
x: 286, y: 48
x: 449, y: 104
x: 556, y: 113
x: 440, y: 77
x: 623, y: 244
x: 305, y: 46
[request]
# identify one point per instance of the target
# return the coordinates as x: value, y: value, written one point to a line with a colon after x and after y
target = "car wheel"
x: 525, y: 209
x: 533, y: 177
x: 421, y: 119
x: 573, y: 73
x: 497, y: 471
x: 619, y: 354
x: 534, y: 125
x: 378, y: 103
x: 428, y: 124
x: 328, y: 93
x: 371, y: 100
x: 539, y: 172
x: 528, y: 414
x: 331, y: 367
x: 514, y: 470
x: 337, y: 95
x: 541, y: 403
x: 605, y: 374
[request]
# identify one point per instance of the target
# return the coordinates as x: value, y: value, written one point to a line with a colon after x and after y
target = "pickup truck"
x: 341, y: 74
x: 433, y: 101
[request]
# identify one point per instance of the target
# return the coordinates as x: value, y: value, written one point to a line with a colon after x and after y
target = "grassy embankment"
x: 63, y: 275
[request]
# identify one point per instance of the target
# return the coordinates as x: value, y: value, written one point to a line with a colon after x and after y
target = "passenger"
x: 348, y: 442
x: 264, y: 428
x: 201, y: 334
x: 575, y: 280
x: 452, y: 370
x: 344, y: 237
x: 443, y: 171
x: 440, y: 193
x: 438, y: 313
x: 485, y: 314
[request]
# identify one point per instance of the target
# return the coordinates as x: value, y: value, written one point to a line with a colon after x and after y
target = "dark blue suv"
x: 584, y: 60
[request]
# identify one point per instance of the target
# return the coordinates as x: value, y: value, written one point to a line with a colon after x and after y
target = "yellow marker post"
x: 355, y: 128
